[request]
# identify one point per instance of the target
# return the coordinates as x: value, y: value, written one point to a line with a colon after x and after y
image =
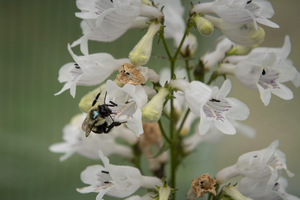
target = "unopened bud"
x: 204, y: 26
x: 240, y: 50
x: 142, y: 51
x: 234, y: 193
x: 164, y: 192
x: 152, y: 110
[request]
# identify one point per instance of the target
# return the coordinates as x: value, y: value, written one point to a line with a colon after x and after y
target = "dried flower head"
x: 201, y: 186
x: 130, y: 74
x: 152, y: 136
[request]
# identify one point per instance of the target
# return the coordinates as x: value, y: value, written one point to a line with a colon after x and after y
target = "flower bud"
x: 152, y: 110
x: 234, y: 193
x: 146, y: 2
x: 204, y: 26
x: 240, y: 50
x: 142, y: 51
x: 164, y: 192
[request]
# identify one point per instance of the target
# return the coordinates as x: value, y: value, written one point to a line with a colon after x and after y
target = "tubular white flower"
x: 239, y: 11
x: 259, y: 189
x: 88, y: 70
x: 266, y: 76
x: 212, y: 58
x: 266, y: 163
x: 77, y: 142
x: 262, y: 54
x: 212, y: 105
x: 241, y: 34
x: 214, y: 135
x: 108, y: 20
x: 130, y: 99
x: 115, y: 181
x: 141, y: 53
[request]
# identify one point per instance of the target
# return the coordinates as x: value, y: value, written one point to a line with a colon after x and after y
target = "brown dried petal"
x: 202, y: 185
x: 130, y: 74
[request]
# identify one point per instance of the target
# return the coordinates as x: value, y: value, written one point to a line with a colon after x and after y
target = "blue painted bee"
x: 96, y: 118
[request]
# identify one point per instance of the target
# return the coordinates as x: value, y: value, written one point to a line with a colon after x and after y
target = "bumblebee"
x: 96, y: 119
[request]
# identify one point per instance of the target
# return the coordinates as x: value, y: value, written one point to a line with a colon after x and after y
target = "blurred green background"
x: 33, y: 47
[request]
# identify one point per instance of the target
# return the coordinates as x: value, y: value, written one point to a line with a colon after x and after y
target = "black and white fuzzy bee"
x: 96, y: 119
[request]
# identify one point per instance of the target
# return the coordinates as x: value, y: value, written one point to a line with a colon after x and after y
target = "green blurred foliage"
x: 33, y: 47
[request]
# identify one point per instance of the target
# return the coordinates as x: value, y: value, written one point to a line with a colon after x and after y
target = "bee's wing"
x: 87, y: 127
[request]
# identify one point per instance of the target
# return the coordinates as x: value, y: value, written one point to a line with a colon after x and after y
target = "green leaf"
x: 165, y: 147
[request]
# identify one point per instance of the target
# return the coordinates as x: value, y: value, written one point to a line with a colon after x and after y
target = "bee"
x: 96, y: 118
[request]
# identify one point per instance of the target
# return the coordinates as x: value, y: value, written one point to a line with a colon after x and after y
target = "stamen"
x: 105, y: 172
x: 248, y: 2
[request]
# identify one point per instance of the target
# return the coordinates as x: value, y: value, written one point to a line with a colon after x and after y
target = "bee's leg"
x: 109, y: 127
x: 113, y: 104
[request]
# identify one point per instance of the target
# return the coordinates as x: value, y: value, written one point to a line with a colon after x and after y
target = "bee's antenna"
x: 95, y: 100
x: 105, y: 96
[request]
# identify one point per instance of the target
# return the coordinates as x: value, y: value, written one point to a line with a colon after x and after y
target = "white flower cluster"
x: 128, y: 108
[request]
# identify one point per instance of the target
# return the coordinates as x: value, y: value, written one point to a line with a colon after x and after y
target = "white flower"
x: 77, y: 142
x: 259, y: 189
x: 241, y: 34
x: 262, y: 54
x: 214, y: 135
x: 130, y: 100
x: 212, y: 105
x: 107, y: 20
x: 266, y: 163
x: 239, y: 11
x: 264, y: 69
x: 88, y: 70
x: 212, y: 58
x: 115, y: 181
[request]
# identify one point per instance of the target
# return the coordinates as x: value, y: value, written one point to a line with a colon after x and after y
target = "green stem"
x: 187, y: 30
x: 187, y: 67
x: 163, y: 132
x: 182, y: 123
x: 165, y: 45
x: 213, y: 77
